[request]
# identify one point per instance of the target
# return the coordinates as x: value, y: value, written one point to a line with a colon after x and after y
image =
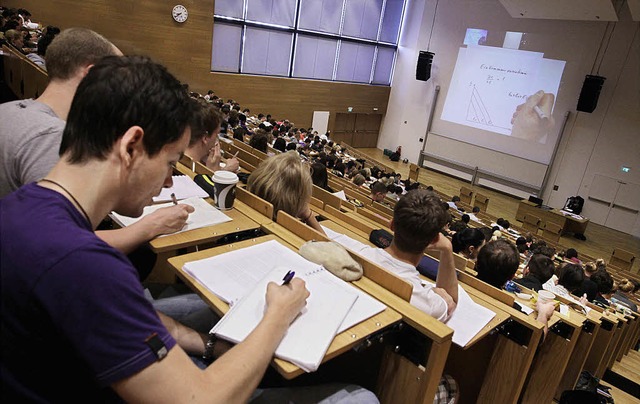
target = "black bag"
x: 587, y: 382
x: 381, y: 238
x: 394, y: 156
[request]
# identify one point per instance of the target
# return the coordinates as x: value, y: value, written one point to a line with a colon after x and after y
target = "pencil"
x: 173, y: 199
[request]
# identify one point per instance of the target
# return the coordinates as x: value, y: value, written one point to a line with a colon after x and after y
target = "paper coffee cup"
x: 225, y: 189
x: 545, y: 296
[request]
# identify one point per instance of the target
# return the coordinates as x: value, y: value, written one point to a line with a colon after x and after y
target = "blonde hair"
x: 12, y: 35
x: 358, y: 179
x: 626, y: 285
x: 590, y: 268
x: 284, y: 181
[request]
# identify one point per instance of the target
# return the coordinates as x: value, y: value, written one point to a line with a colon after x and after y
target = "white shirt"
x: 422, y: 296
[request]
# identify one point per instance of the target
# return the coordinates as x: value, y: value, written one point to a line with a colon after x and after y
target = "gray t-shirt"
x: 30, y: 136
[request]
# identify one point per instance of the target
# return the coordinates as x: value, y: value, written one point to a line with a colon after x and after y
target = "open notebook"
x: 183, y: 187
x: 203, y: 215
x: 240, y: 277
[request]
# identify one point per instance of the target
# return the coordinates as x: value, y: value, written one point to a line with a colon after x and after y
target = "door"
x: 613, y: 203
x: 343, y: 128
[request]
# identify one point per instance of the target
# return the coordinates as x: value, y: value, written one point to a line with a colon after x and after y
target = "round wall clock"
x: 180, y: 13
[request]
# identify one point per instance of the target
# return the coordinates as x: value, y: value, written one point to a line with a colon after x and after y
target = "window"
x: 338, y: 40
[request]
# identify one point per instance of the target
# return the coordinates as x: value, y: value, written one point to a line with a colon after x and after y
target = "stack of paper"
x: 203, y: 215
x: 183, y: 188
x: 240, y: 277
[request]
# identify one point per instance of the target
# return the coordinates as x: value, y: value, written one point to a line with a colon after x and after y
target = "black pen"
x: 173, y: 199
x: 287, y: 278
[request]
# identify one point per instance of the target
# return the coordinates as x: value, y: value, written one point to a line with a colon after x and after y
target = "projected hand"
x: 532, y: 120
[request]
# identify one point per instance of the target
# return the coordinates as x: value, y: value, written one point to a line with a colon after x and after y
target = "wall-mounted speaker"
x: 590, y: 93
x: 423, y: 68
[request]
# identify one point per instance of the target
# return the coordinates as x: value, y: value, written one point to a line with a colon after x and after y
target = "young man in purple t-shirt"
x: 72, y: 302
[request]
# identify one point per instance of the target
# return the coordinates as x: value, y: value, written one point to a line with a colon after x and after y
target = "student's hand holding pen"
x: 284, y: 302
x: 232, y: 164
x: 166, y: 220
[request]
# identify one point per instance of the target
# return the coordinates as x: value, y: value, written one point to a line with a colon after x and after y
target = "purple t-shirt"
x: 74, y: 316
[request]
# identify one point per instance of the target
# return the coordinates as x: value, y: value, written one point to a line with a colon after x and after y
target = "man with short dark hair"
x: 497, y: 262
x: 418, y: 217
x: 69, y: 298
x: 378, y: 191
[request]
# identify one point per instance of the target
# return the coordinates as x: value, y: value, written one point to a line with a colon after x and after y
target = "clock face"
x: 180, y: 13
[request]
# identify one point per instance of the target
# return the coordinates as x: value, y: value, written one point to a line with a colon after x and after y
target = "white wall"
x: 594, y: 143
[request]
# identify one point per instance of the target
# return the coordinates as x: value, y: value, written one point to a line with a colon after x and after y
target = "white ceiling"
x: 585, y: 10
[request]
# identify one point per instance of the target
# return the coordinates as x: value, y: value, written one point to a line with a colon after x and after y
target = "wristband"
x: 208, y: 348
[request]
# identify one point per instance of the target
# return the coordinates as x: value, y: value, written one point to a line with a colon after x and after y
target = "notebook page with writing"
x: 311, y: 333
x: 231, y: 275
x: 183, y: 187
x: 203, y: 215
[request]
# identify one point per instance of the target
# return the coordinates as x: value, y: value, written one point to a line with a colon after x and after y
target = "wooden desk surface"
x: 341, y: 343
x: 339, y: 228
x: 207, y: 234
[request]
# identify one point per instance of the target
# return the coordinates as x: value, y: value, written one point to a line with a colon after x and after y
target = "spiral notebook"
x: 240, y: 277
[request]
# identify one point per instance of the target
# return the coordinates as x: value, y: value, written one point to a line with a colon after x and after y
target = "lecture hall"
x: 390, y: 201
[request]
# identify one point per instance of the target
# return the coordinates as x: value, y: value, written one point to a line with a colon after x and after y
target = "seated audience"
x: 358, y: 179
x: 319, y: 176
x: 603, y: 279
x: 468, y: 242
x: 452, y: 203
x: 204, y: 145
x: 378, y: 191
x: 588, y: 287
x: 572, y: 255
x: 568, y: 279
x: 259, y: 141
x: 522, y: 245
x: 284, y: 181
x: 280, y: 144
x: 539, y: 269
x: 497, y: 262
x: 622, y: 295
x: 38, y: 57
x: 15, y: 39
x: 473, y: 213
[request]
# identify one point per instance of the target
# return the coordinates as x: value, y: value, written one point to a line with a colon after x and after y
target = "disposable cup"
x: 225, y: 189
x: 545, y: 296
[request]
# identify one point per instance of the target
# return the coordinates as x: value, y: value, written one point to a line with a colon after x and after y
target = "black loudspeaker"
x: 590, y: 92
x: 423, y: 68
